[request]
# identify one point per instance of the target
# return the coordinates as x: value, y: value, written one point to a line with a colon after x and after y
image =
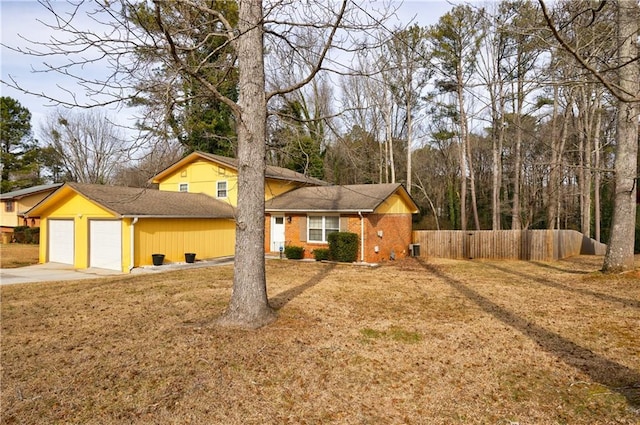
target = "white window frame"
x: 226, y: 189
x: 324, y: 228
x: 180, y: 185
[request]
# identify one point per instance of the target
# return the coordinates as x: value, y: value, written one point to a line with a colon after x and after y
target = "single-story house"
x: 119, y: 228
x: 381, y: 214
x: 17, y: 202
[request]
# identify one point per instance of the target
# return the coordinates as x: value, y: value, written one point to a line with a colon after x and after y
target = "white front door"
x: 105, y: 244
x: 277, y: 233
x: 61, y: 241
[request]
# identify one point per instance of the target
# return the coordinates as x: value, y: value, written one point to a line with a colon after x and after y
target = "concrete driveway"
x: 49, y: 272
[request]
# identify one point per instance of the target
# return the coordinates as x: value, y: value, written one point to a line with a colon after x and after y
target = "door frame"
x: 277, y: 233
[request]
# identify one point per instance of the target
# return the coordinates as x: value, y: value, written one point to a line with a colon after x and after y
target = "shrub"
x: 343, y: 246
x: 26, y: 234
x: 293, y: 252
x: 33, y: 235
x: 321, y: 254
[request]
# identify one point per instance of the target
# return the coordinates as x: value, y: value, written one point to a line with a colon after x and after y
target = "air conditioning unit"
x: 414, y: 249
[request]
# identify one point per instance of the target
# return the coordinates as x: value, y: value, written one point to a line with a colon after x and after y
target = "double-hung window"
x: 183, y: 187
x: 8, y: 206
x: 221, y: 189
x: 321, y: 226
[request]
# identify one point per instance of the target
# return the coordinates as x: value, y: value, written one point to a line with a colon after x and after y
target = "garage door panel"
x: 105, y: 244
x: 61, y: 241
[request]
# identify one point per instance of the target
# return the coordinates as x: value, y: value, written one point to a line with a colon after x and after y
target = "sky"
x: 21, y: 19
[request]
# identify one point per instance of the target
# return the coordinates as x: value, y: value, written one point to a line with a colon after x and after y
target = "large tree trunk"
x: 249, y: 306
x: 619, y: 255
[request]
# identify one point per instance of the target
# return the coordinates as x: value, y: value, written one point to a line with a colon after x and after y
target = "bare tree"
x: 89, y: 145
x: 138, y: 38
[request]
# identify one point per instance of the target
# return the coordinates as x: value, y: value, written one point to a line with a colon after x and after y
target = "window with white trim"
x: 221, y: 189
x: 319, y: 227
x: 183, y: 187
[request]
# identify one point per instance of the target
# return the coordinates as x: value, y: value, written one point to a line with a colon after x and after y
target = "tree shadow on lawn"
x: 553, y: 284
x: 283, y: 298
x: 615, y: 376
x: 560, y: 269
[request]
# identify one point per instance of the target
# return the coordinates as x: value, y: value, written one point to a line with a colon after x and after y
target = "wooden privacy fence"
x: 537, y: 245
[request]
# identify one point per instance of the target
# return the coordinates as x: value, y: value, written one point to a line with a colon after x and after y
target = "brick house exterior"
x: 381, y: 216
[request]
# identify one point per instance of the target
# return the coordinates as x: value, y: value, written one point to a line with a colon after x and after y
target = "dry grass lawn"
x: 18, y: 255
x: 412, y: 342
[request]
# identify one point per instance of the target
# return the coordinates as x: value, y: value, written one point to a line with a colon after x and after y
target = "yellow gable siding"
x: 274, y: 188
x: 207, y: 238
x: 26, y: 203
x: 79, y: 209
x: 394, y: 204
x: 202, y: 177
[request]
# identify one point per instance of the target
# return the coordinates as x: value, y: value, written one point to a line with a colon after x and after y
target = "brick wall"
x: 395, y: 237
x: 395, y: 234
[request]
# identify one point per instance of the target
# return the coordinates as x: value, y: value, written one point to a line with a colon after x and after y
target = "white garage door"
x: 61, y: 241
x: 105, y: 244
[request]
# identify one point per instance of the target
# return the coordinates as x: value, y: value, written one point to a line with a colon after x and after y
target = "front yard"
x: 18, y: 255
x: 412, y: 342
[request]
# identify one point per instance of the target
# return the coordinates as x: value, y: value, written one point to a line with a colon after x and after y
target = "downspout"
x: 131, y: 242
x: 361, y: 237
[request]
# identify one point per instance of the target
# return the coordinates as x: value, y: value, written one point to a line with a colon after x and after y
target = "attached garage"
x: 119, y: 228
x: 61, y: 241
x: 105, y: 244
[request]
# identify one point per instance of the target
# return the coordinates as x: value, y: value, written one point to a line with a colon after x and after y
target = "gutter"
x: 321, y: 211
x: 361, y: 237
x: 131, y: 242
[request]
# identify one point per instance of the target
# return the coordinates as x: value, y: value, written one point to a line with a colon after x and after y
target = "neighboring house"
x: 17, y: 202
x: 217, y: 176
x: 119, y: 228
x: 380, y: 214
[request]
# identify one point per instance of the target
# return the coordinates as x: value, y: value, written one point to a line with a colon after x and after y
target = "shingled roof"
x: 21, y: 193
x: 348, y: 198
x: 139, y: 202
x: 271, y: 172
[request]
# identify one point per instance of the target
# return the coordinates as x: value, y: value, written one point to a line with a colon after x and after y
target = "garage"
x: 61, y: 245
x: 105, y: 244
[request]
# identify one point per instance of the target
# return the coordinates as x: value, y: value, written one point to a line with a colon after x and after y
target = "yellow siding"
x: 202, y: 177
x: 207, y: 238
x: 274, y: 188
x: 77, y: 208
x: 394, y: 204
x: 21, y: 205
x: 28, y: 202
x: 9, y: 219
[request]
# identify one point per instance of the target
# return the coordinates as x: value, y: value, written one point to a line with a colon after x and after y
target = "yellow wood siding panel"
x: 207, y: 238
x: 203, y: 177
x: 274, y: 188
x: 9, y: 219
x: 394, y: 204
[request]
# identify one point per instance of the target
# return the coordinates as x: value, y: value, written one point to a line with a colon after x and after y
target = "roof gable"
x: 271, y: 172
x: 139, y: 202
x: 348, y: 198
